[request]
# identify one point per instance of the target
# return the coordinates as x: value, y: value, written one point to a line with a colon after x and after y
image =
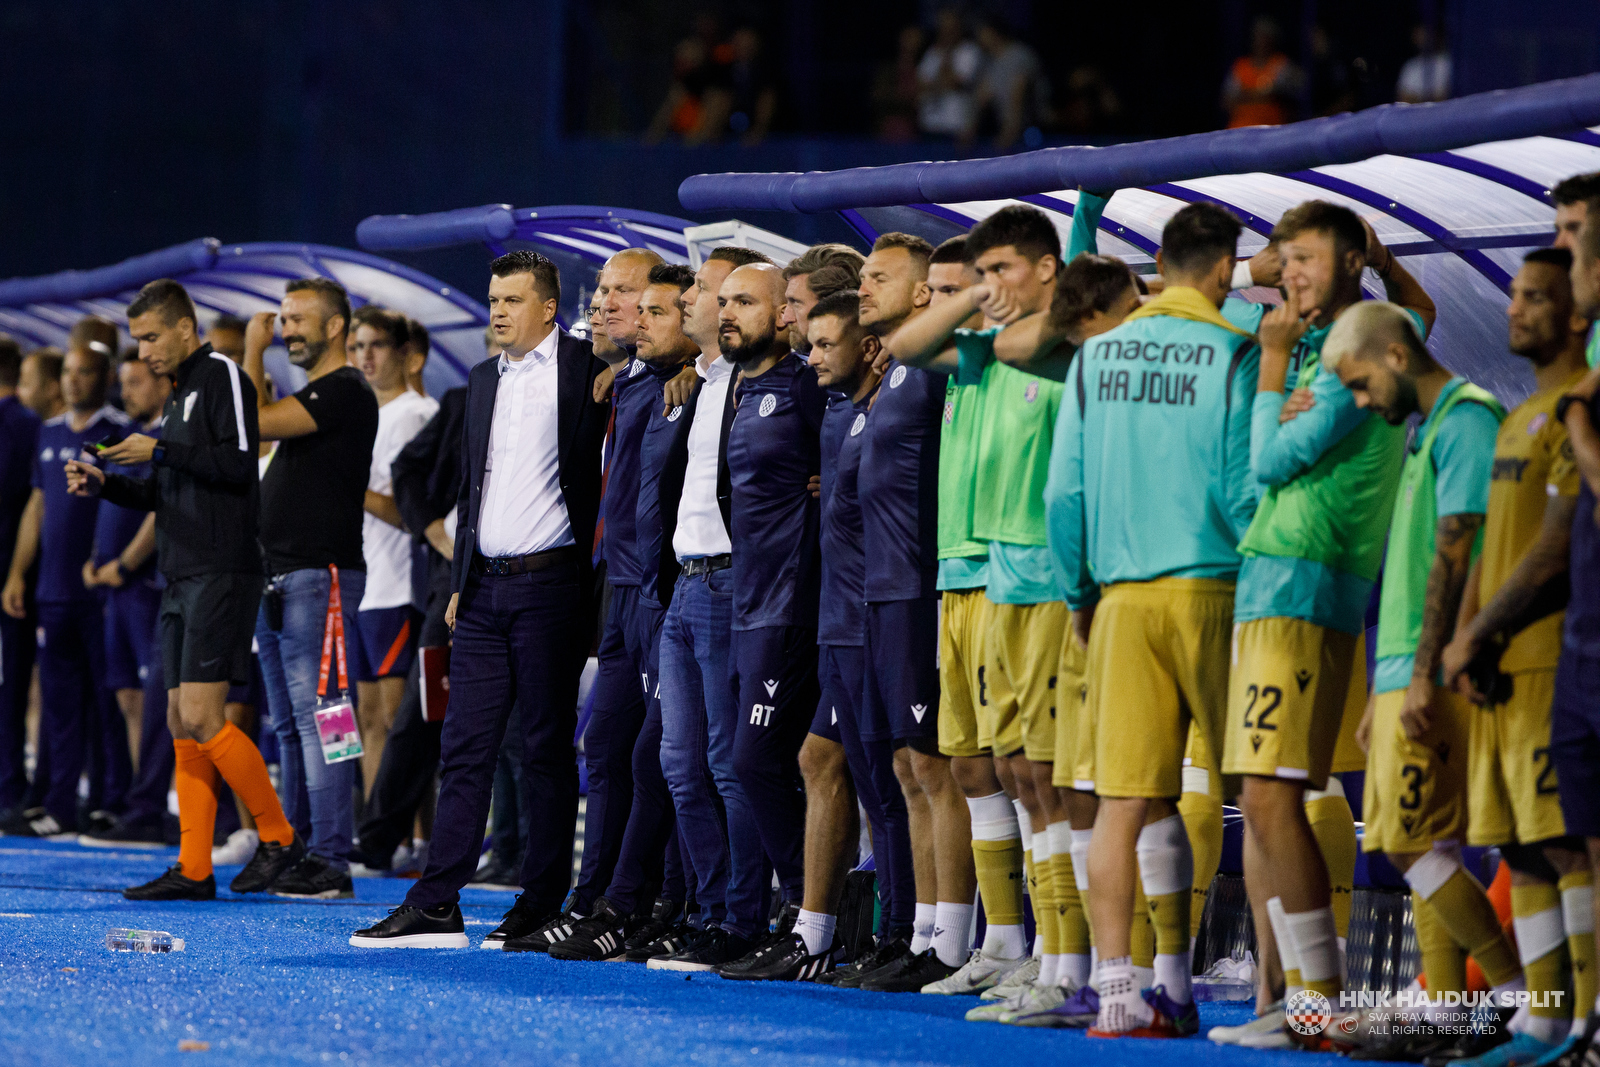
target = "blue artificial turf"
x: 272, y: 982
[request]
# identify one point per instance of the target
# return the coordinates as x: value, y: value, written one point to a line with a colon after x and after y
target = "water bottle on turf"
x: 142, y: 941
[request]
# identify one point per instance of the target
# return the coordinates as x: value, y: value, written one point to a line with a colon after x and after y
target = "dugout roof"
x: 242, y: 280
x: 1459, y: 190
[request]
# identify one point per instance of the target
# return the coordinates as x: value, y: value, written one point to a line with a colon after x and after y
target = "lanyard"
x: 333, y: 639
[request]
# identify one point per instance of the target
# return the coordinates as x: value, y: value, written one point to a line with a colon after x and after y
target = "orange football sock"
x: 240, y: 764
x: 196, y: 783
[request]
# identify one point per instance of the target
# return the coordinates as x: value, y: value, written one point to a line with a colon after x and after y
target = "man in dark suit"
x: 521, y: 605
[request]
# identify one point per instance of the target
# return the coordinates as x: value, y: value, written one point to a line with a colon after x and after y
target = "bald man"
x: 773, y: 453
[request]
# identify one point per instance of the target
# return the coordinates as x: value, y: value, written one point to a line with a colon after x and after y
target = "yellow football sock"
x: 1577, y: 910
x: 1072, y: 919
x: 1202, y: 821
x: 1542, y: 941
x: 999, y: 867
x: 1142, y: 935
x: 1443, y: 962
x: 1334, y: 827
x: 1043, y: 885
x: 1464, y: 909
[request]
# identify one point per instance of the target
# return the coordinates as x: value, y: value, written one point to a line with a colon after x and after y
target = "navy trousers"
x: 519, y: 639
x: 608, y: 743
x: 16, y: 674
x: 79, y: 721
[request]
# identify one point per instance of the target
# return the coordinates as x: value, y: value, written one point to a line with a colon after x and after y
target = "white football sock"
x: 816, y: 929
x: 950, y: 927
x: 922, y: 928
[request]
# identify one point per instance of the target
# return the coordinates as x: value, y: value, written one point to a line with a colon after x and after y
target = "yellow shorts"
x: 1511, y: 783
x: 1416, y: 791
x: 1074, y: 766
x: 1286, y: 699
x: 965, y: 725
x: 1202, y: 767
x: 1158, y: 660
x: 1024, y: 656
x: 1347, y: 755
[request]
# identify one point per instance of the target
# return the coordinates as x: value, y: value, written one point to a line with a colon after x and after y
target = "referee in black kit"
x: 521, y: 610
x: 206, y: 498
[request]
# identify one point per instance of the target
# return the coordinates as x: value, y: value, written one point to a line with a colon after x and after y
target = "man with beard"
x: 691, y: 524
x: 819, y: 271
x: 773, y: 453
x: 312, y: 508
x: 1416, y: 793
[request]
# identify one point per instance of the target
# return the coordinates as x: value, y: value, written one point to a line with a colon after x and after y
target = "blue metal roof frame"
x: 1459, y: 190
x: 242, y: 280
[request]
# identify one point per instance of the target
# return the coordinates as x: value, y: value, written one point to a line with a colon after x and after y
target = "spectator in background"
x: 1332, y: 75
x: 895, y: 88
x: 751, y: 98
x: 1426, y: 76
x: 947, y: 78
x: 226, y: 336
x: 19, y: 439
x: 1262, y: 87
x: 687, y: 110
x: 39, y: 387
x: 1090, y: 106
x: 1013, y: 86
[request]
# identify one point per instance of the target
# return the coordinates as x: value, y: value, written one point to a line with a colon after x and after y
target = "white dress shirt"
x: 700, y: 529
x: 522, y: 510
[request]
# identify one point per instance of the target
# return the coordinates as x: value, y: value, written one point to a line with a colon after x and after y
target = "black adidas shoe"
x: 598, y: 938
x: 908, y: 974
x: 313, y: 878
x: 706, y: 953
x: 663, y: 914
x: 850, y: 976
x: 408, y: 927
x: 557, y: 929
x: 520, y: 921
x: 174, y: 886
x: 35, y: 822
x: 675, y: 940
x: 268, y: 865
x: 781, y: 959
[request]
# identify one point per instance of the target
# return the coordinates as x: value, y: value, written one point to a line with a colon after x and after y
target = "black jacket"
x: 580, y: 428
x: 205, y: 490
x: 427, y: 472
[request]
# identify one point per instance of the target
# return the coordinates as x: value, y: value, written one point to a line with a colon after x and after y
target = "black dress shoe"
x: 174, y: 886
x: 518, y: 922
x: 98, y: 822
x: 781, y: 959
x: 268, y: 865
x: 497, y: 876
x: 408, y: 927
x: 908, y: 974
x: 599, y: 937
x: 669, y: 944
x: 880, y: 956
x: 706, y: 953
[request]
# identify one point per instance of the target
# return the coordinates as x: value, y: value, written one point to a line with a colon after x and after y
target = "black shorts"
x: 900, y: 698
x: 207, y: 624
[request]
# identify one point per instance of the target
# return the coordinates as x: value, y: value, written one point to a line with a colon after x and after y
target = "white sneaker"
x: 1228, y: 979
x: 1266, y: 1031
x: 1037, y: 999
x: 980, y: 972
x: 992, y: 1011
x: 239, y: 849
x: 1014, y: 982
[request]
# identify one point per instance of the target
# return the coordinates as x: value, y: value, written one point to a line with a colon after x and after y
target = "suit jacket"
x: 581, y: 430
x: 427, y: 472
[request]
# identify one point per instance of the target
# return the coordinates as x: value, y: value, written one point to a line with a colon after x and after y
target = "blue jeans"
x: 698, y: 719
x: 318, y: 798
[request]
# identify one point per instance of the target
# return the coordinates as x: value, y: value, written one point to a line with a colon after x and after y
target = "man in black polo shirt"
x: 311, y: 509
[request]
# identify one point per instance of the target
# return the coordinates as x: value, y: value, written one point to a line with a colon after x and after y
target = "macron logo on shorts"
x: 918, y: 711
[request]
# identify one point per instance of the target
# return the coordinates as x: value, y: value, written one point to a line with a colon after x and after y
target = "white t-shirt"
x: 387, y: 548
x: 1425, y: 78
x: 948, y: 111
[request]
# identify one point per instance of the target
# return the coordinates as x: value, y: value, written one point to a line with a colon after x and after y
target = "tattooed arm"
x: 1545, y: 559
x: 1447, y: 578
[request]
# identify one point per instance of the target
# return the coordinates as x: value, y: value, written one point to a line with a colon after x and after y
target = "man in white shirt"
x: 385, y: 641
x: 698, y: 709
x: 521, y: 611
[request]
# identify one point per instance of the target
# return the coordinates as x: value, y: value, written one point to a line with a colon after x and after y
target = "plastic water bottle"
x: 142, y: 941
